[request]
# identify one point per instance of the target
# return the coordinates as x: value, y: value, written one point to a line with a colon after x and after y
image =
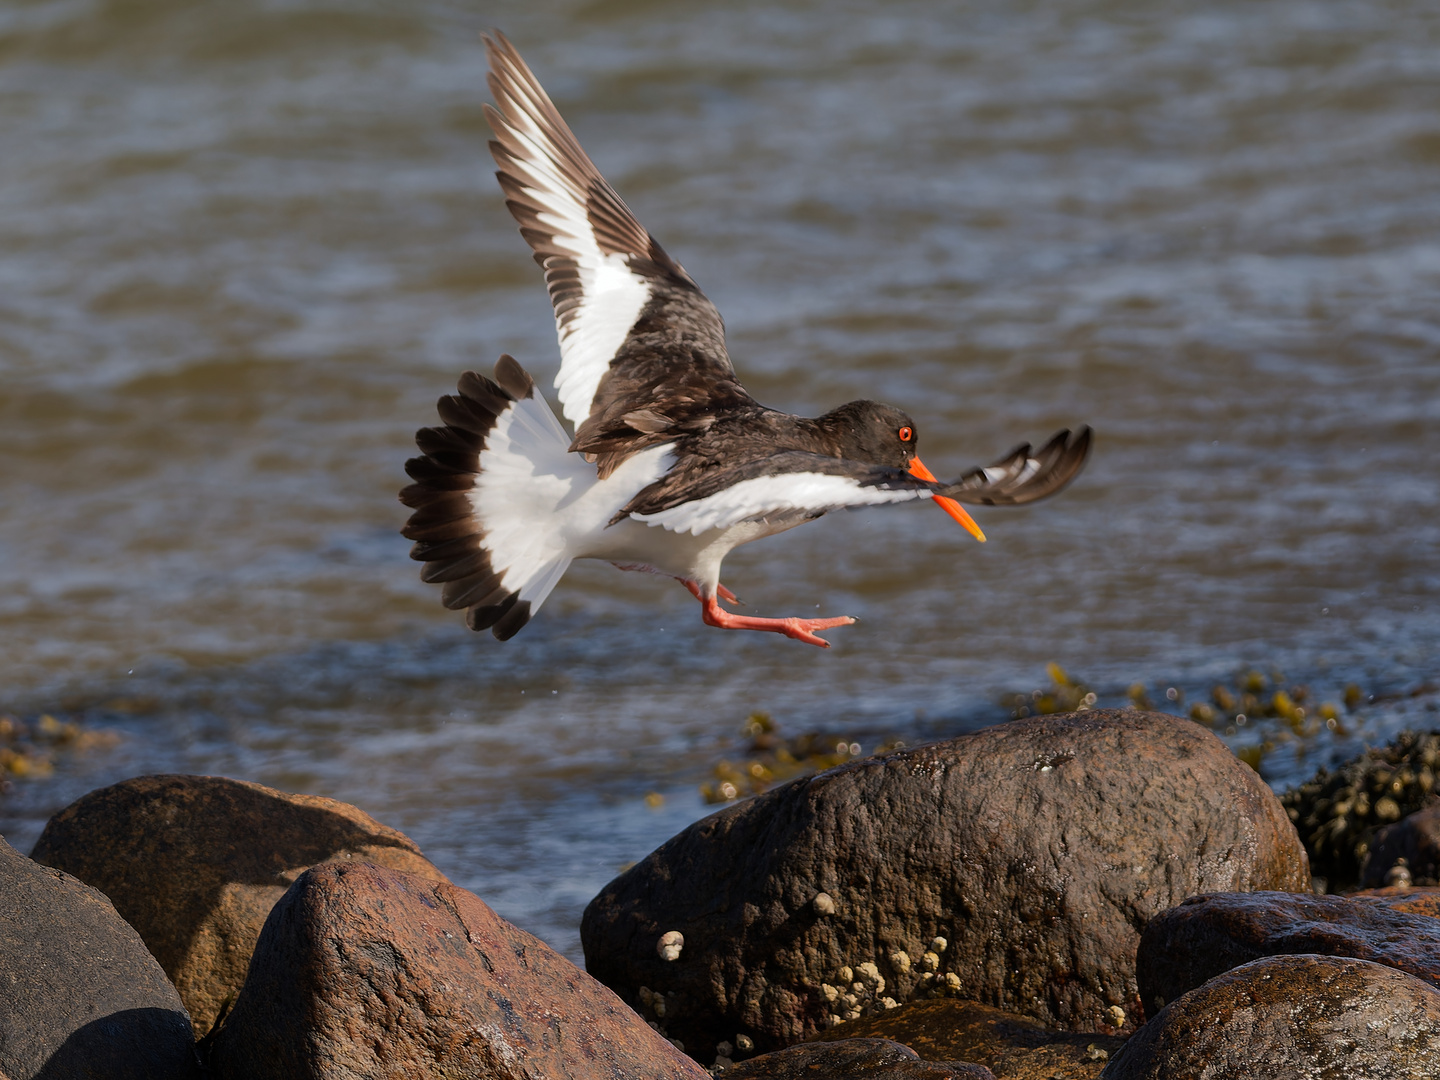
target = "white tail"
x: 487, y: 494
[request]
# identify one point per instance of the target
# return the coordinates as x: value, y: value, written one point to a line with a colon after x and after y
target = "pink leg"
x: 725, y: 594
x: 799, y: 629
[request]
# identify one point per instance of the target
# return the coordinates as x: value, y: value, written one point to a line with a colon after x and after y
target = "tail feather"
x: 485, y: 497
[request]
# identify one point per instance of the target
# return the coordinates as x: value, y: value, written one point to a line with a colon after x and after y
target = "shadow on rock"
x: 132, y: 1042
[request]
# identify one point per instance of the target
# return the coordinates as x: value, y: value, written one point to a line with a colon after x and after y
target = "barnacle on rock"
x: 670, y: 944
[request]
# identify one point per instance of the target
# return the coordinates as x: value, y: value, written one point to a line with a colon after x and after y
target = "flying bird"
x: 672, y: 463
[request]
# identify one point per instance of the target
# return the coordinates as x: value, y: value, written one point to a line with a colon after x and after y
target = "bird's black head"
x: 872, y: 432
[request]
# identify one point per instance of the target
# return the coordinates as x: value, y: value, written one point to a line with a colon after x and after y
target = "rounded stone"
x: 1299, y: 1017
x: 81, y: 995
x: 195, y: 863
x: 1199, y: 939
x: 1026, y: 858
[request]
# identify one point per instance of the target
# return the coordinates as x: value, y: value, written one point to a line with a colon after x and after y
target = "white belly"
x: 695, y: 558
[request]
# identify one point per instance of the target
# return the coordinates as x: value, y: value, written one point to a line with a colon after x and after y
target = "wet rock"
x: 1337, y: 814
x: 852, y: 1059
x: 366, y: 971
x: 1013, y: 1047
x: 1206, y: 935
x: 1415, y: 840
x: 195, y: 863
x: 81, y: 997
x: 1416, y: 901
x: 1291, y: 1018
x: 1015, y: 866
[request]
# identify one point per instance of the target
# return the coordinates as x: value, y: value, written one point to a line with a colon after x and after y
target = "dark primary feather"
x: 673, y: 365
x: 1005, y: 483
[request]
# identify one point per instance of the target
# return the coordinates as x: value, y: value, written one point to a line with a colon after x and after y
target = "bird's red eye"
x: 906, y: 434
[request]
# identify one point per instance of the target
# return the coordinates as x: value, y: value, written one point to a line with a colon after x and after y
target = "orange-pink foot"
x: 799, y: 629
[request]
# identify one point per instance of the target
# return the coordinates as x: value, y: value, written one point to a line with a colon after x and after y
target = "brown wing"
x: 1021, y: 476
x: 642, y: 350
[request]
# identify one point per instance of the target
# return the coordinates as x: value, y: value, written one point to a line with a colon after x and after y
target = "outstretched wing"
x: 789, y: 483
x: 642, y: 350
x: 699, y: 494
x: 1021, y: 476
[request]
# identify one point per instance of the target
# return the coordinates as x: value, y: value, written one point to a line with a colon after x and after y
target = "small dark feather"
x: 432, y: 475
x: 466, y: 464
x: 460, y: 412
x: 417, y: 495
x: 512, y: 622
x: 649, y: 421
x: 447, y: 440
x: 450, y: 530
x: 445, y: 549
x: 477, y: 591
x: 513, y: 378
x: 439, y: 571
x: 482, y: 618
x: 488, y: 395
x: 449, y: 506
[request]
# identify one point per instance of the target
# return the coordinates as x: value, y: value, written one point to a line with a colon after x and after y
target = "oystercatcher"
x: 672, y: 463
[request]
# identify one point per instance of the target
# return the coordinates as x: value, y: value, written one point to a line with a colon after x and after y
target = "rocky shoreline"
x: 1105, y: 893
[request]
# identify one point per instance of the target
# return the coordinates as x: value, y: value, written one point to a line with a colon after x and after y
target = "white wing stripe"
x: 612, y: 297
x: 755, y: 498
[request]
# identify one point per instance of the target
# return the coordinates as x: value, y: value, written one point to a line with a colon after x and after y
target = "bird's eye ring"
x: 906, y: 433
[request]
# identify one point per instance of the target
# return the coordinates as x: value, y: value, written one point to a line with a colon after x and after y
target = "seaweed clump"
x: 1337, y: 814
x: 28, y: 751
x: 770, y: 758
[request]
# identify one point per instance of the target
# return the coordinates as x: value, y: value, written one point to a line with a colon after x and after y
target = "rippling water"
x: 243, y: 248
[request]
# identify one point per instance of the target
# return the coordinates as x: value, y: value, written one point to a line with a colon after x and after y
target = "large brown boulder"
x: 80, y: 998
x: 363, y: 971
x: 1013, y: 1047
x: 1206, y: 935
x: 853, y: 1059
x: 1015, y: 866
x: 195, y: 863
x: 1292, y: 1018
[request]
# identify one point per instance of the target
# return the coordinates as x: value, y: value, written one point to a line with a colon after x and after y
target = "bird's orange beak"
x: 950, y: 506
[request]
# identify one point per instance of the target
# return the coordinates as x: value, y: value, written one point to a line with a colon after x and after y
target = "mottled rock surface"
x: 80, y: 997
x: 195, y: 863
x: 1016, y: 866
x: 1206, y: 935
x: 1416, y: 839
x: 1292, y: 1018
x: 853, y: 1059
x: 363, y: 971
x: 1013, y: 1047
x: 1416, y: 901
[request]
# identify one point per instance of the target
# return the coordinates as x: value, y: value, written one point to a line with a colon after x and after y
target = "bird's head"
x: 881, y: 434
x: 871, y: 432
